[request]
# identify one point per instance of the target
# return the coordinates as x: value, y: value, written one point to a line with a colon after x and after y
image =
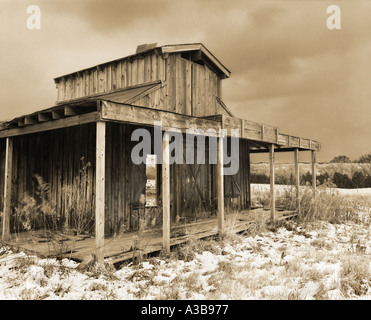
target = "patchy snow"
x: 320, y: 261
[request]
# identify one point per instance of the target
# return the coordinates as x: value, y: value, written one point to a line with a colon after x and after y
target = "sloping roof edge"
x: 128, y: 95
x: 161, y: 49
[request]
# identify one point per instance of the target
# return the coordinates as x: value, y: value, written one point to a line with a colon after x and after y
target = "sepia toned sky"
x: 288, y: 69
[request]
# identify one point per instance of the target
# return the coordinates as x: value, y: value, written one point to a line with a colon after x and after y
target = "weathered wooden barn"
x: 81, y: 149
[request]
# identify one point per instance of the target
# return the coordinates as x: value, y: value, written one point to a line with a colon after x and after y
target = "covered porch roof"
x: 124, y: 110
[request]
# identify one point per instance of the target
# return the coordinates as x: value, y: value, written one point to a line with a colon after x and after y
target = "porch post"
x: 297, y: 180
x: 166, y: 194
x: 314, y: 176
x: 100, y: 190
x: 7, y: 188
x: 249, y: 176
x: 220, y: 184
x: 273, y: 196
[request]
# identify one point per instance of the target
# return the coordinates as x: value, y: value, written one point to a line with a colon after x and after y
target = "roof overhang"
x: 197, y: 47
x: 223, y: 71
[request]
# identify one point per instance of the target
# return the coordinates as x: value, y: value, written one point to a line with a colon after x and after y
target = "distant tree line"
x: 359, y: 179
x: 366, y: 158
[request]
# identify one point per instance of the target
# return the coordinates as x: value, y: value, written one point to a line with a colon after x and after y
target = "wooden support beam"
x: 242, y: 128
x: 166, y: 194
x: 281, y: 149
x: 51, y: 125
x: 42, y: 117
x: 57, y: 115
x: 277, y: 135
x: 220, y: 185
x: 28, y: 121
x: 145, y: 116
x: 297, y: 180
x: 68, y: 111
x: 273, y: 196
x: 314, y: 175
x: 100, y: 190
x: 7, y: 188
x: 248, y: 176
x: 258, y: 146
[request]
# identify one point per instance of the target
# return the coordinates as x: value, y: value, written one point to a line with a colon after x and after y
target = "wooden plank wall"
x: 2, y: 172
x: 236, y: 187
x: 111, y: 76
x: 195, y: 195
x: 55, y: 156
x: 204, y: 91
x: 125, y: 183
x: 192, y: 188
x: 190, y: 89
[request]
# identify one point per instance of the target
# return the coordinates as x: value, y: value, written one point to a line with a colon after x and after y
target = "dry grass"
x: 327, y: 205
x: 355, y: 275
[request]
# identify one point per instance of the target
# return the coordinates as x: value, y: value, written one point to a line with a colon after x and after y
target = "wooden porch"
x: 129, y: 245
x: 169, y: 90
x: 261, y: 138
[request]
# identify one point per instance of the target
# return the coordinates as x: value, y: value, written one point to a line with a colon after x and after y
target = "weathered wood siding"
x: 2, y: 174
x: 188, y: 87
x: 125, y: 182
x: 236, y: 187
x: 192, y: 186
x: 56, y: 157
x: 111, y: 77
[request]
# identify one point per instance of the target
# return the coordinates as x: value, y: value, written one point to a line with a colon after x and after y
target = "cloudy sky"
x: 288, y: 69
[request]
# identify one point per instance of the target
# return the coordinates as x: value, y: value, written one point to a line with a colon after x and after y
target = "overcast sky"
x: 288, y: 69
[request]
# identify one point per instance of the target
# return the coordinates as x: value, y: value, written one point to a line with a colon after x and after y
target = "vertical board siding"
x: 189, y: 88
x: 181, y: 86
x: 56, y: 157
x: 2, y: 173
x: 110, y: 77
x: 236, y: 187
x: 125, y: 182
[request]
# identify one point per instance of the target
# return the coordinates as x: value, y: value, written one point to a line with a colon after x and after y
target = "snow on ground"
x: 320, y: 261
